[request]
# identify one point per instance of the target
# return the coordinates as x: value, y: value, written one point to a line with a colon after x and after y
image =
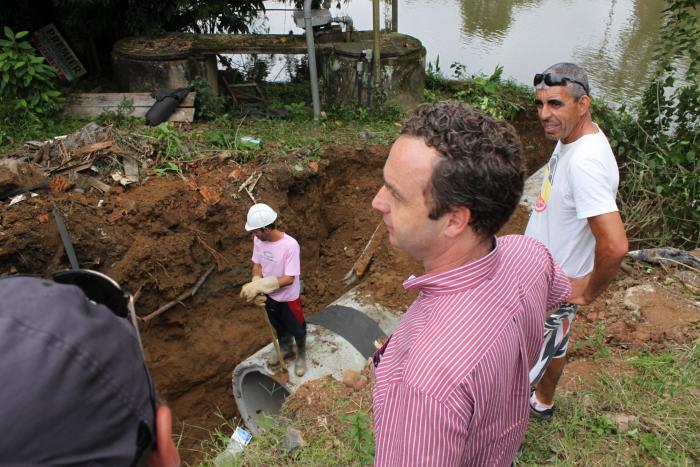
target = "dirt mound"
x: 158, y: 239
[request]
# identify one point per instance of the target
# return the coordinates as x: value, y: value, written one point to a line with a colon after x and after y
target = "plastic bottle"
x: 239, y: 440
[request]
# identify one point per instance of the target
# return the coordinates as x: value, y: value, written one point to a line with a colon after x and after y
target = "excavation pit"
x: 159, y: 239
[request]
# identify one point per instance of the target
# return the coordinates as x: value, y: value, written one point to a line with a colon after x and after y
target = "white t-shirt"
x: 280, y: 258
x: 580, y: 181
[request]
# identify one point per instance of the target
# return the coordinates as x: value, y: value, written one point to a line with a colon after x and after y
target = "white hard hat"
x: 260, y: 215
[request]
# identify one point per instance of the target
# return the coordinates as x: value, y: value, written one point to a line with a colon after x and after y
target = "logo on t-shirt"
x: 547, y: 182
x: 269, y: 256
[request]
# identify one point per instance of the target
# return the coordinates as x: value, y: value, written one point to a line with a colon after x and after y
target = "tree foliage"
x: 27, y: 92
x: 658, y: 139
x: 93, y: 26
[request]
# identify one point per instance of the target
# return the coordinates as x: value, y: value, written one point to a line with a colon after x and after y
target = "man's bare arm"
x: 257, y: 270
x: 610, y: 247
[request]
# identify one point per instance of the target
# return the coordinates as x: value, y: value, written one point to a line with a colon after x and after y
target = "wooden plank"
x: 113, y: 99
x: 92, y: 105
x: 181, y: 114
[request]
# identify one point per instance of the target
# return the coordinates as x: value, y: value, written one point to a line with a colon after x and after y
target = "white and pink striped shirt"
x: 452, y: 384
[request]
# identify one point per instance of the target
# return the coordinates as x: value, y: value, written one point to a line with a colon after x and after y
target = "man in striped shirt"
x: 452, y: 381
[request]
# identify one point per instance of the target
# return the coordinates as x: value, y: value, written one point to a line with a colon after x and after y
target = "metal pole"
x: 395, y: 15
x: 376, y: 59
x: 65, y: 238
x: 311, y: 50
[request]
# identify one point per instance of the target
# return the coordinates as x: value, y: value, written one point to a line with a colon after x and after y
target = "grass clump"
x: 648, y: 417
x: 499, y: 97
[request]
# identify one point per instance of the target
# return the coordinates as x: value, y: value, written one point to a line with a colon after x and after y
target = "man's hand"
x: 260, y: 300
x: 578, y: 289
x: 610, y: 247
x: 260, y: 286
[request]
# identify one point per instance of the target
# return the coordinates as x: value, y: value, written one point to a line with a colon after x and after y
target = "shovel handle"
x: 274, y: 341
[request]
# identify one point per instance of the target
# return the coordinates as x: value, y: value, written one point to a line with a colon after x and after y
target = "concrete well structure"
x: 345, y: 67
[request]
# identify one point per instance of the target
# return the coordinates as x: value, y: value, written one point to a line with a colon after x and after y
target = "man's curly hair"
x: 480, y: 164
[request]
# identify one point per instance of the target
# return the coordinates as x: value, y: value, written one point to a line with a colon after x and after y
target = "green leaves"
x: 26, y: 82
x: 657, y: 140
x: 491, y: 93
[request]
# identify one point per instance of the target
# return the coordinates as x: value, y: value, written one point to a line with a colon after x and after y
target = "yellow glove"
x: 260, y: 286
x: 260, y: 300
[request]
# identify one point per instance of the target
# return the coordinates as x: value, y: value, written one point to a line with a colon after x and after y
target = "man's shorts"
x: 557, y: 328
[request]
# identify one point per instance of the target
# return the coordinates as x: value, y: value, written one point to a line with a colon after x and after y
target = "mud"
x: 158, y: 239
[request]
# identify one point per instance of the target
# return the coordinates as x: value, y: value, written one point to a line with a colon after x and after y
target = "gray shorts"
x: 557, y: 328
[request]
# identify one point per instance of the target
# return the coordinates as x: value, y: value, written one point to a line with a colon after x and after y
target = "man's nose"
x: 544, y: 112
x: 379, y: 202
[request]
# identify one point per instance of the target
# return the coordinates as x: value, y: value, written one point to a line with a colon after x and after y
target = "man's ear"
x: 584, y: 105
x: 457, y: 221
x: 165, y: 454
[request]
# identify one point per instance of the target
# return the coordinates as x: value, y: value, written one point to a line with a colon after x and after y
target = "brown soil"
x: 159, y: 238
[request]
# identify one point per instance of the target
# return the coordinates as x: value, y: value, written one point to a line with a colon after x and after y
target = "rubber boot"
x: 300, y: 362
x: 286, y: 348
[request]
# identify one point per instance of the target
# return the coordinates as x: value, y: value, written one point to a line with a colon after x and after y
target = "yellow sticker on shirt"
x: 547, y: 182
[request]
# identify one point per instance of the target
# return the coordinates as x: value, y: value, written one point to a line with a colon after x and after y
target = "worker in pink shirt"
x: 275, y: 283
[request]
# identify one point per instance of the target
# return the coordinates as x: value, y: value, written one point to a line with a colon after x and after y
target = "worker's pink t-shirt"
x: 280, y: 258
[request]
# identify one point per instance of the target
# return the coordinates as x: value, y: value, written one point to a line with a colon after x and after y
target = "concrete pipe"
x: 339, y: 337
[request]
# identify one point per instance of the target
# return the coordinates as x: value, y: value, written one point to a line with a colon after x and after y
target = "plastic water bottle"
x: 249, y: 142
x: 239, y: 440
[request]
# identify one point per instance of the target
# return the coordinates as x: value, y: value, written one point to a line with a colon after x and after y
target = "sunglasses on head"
x: 102, y: 289
x: 553, y: 79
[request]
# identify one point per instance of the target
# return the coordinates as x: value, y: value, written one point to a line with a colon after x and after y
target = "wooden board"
x: 92, y: 105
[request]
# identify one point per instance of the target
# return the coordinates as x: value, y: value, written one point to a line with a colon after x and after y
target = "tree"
x: 93, y: 26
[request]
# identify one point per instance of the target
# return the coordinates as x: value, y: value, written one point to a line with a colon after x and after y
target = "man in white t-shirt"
x: 575, y: 215
x: 276, y: 271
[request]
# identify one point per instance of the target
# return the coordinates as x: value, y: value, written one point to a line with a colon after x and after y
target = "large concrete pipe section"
x: 339, y: 337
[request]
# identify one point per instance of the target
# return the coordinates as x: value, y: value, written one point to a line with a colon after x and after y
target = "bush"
x: 208, y: 105
x: 656, y: 141
x: 27, y: 82
x: 27, y: 92
x: 502, y: 98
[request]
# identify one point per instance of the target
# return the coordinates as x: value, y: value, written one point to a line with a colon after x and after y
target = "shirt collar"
x: 466, y: 276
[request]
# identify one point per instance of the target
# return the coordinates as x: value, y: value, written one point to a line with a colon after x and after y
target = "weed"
x: 433, y: 76
x: 296, y: 109
x: 501, y: 98
x: 359, y: 436
x: 221, y: 139
x: 429, y: 95
x: 207, y: 104
x: 602, y: 425
x: 168, y: 167
x: 596, y: 341
x: 658, y: 140
x: 661, y: 394
x: 168, y: 149
x: 121, y: 117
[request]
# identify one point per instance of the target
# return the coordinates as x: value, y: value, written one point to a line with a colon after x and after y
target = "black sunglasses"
x: 553, y: 79
x: 102, y: 289
x: 377, y: 356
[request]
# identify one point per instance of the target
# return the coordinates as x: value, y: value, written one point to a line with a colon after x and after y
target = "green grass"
x: 659, y: 390
x: 298, y: 135
x: 663, y: 394
x: 354, y: 447
x: 15, y: 132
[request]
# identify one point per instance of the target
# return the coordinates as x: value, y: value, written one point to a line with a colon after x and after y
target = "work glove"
x: 260, y: 300
x: 260, y: 286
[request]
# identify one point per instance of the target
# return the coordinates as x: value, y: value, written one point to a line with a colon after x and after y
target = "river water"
x: 613, y: 39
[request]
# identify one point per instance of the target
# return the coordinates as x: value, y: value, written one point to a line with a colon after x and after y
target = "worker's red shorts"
x: 295, y: 306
